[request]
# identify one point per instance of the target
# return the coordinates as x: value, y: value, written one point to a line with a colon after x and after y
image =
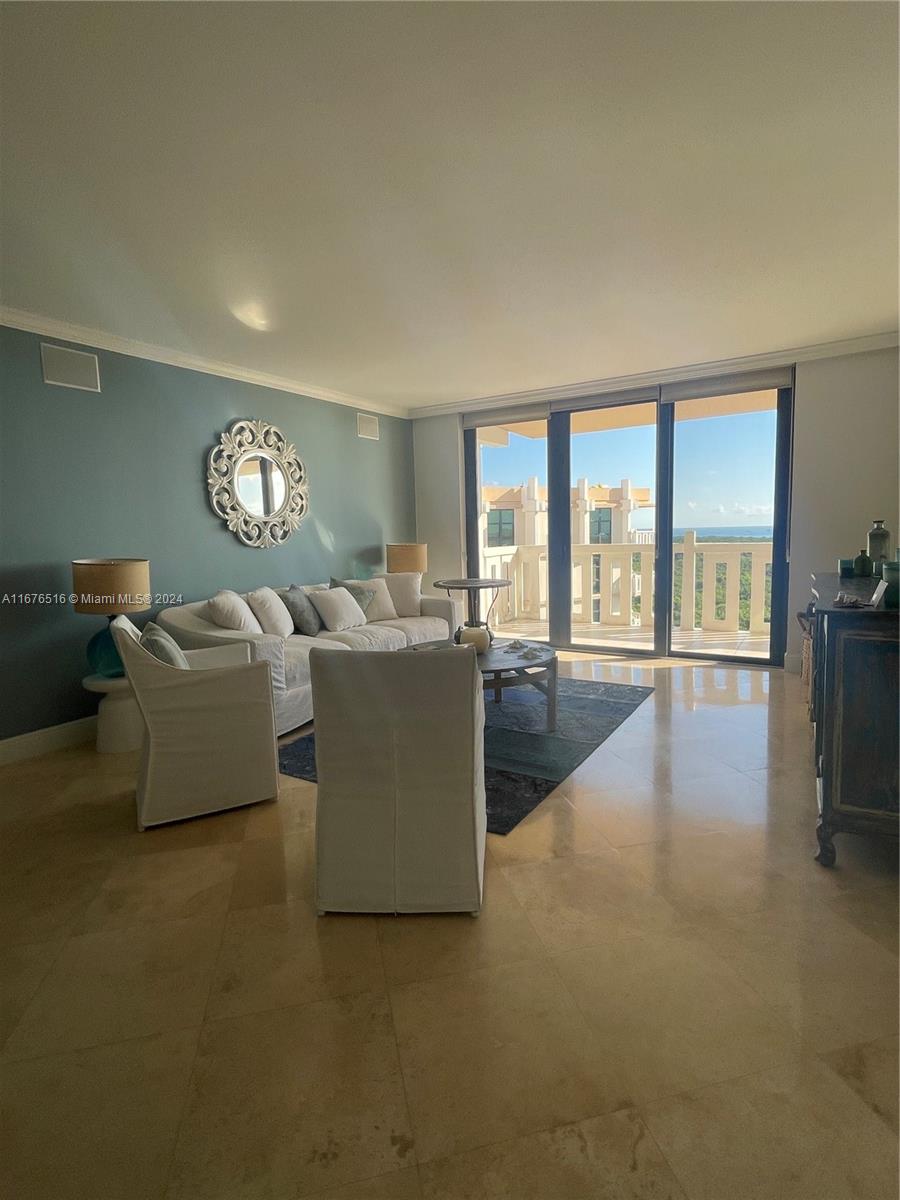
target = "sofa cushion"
x: 228, y: 610
x: 271, y: 612
x: 296, y: 664
x: 296, y: 659
x: 338, y: 609
x: 380, y: 606
x: 303, y: 613
x: 419, y: 629
x: 405, y: 589
x: 163, y: 646
x: 367, y: 637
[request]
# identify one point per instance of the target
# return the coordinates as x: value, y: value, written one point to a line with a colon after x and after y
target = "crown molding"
x: 96, y: 338
x: 65, y: 331
x: 723, y: 366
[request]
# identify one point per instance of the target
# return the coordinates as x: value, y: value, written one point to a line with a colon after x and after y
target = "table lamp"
x: 407, y: 556
x: 109, y: 587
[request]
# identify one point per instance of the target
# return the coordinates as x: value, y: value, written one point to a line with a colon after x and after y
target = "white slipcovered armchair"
x: 209, y: 741
x: 400, y: 814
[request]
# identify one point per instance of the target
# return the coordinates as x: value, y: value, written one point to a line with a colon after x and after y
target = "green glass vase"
x: 862, y: 565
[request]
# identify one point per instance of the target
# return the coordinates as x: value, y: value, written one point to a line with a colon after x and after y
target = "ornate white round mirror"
x: 257, y: 484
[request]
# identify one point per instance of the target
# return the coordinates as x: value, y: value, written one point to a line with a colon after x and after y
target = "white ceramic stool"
x: 120, y: 726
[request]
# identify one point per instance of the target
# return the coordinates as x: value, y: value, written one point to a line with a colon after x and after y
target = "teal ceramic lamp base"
x: 102, y: 655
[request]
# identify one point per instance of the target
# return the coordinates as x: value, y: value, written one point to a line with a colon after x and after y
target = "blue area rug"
x: 523, y: 763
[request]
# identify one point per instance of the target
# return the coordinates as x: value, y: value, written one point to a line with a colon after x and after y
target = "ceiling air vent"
x: 367, y: 427
x: 70, y: 368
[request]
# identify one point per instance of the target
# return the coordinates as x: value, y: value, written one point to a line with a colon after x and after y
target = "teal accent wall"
x: 123, y: 473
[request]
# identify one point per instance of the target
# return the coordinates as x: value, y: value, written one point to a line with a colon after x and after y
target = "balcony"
x: 722, y: 594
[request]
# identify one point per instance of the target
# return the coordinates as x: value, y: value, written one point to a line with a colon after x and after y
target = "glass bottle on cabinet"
x: 879, y: 542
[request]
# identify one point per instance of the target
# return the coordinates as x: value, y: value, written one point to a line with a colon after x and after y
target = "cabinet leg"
x: 826, y: 854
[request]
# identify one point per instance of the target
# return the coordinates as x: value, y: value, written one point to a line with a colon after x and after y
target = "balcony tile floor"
x: 665, y: 995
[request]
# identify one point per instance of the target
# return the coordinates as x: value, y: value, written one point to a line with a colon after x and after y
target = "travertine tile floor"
x: 664, y: 996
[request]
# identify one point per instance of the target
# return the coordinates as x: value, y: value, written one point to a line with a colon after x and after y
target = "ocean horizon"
x: 747, y: 532
x: 763, y: 532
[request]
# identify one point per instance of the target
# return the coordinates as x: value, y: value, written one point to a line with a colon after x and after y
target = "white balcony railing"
x: 610, y: 581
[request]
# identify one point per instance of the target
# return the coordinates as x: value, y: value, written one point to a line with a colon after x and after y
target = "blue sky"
x: 724, y: 466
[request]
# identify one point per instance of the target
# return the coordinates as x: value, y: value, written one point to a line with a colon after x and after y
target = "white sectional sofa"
x: 190, y: 626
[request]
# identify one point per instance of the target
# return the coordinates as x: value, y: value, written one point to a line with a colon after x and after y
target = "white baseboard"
x: 792, y: 663
x: 43, y: 741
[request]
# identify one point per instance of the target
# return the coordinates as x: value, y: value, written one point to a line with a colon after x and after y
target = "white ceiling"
x: 425, y: 203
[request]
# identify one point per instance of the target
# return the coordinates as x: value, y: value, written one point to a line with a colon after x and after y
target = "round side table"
x: 120, y: 726
x: 472, y: 587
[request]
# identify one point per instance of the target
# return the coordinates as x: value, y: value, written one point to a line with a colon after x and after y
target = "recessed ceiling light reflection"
x: 252, y: 314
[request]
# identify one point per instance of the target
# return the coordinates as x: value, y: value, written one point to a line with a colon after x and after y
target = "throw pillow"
x: 379, y: 605
x: 306, y: 619
x: 405, y: 589
x: 163, y: 646
x: 362, y: 595
x: 228, y: 610
x: 338, y: 609
x: 382, y: 607
x: 271, y: 612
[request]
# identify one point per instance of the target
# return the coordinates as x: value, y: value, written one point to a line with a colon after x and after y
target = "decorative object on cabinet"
x: 862, y: 565
x: 257, y: 484
x: 109, y: 587
x: 856, y: 691
x: 891, y: 575
x: 878, y: 542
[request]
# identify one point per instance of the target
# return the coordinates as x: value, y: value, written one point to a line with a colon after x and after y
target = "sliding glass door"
x: 512, y: 526
x: 612, y: 518
x: 723, y: 484
x: 654, y: 522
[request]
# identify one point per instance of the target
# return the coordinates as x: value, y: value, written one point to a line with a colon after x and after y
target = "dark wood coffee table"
x: 535, y: 663
x: 502, y: 667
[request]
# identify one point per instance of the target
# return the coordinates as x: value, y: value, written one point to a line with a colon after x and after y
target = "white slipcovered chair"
x: 400, y: 814
x: 209, y: 741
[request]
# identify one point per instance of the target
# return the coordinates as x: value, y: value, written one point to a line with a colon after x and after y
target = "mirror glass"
x: 261, y: 485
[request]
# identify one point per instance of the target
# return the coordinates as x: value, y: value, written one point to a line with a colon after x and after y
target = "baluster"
x: 587, y: 590
x: 708, y: 615
x: 647, y: 588
x: 758, y: 588
x: 689, y: 580
x: 732, y: 592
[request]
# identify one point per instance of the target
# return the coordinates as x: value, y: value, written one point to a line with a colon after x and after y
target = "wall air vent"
x: 70, y: 368
x: 367, y: 427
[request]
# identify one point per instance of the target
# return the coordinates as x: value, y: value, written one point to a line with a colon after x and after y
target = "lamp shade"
x: 407, y: 556
x: 110, y: 586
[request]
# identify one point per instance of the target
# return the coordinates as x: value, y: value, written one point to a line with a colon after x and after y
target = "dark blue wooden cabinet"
x: 855, y: 707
